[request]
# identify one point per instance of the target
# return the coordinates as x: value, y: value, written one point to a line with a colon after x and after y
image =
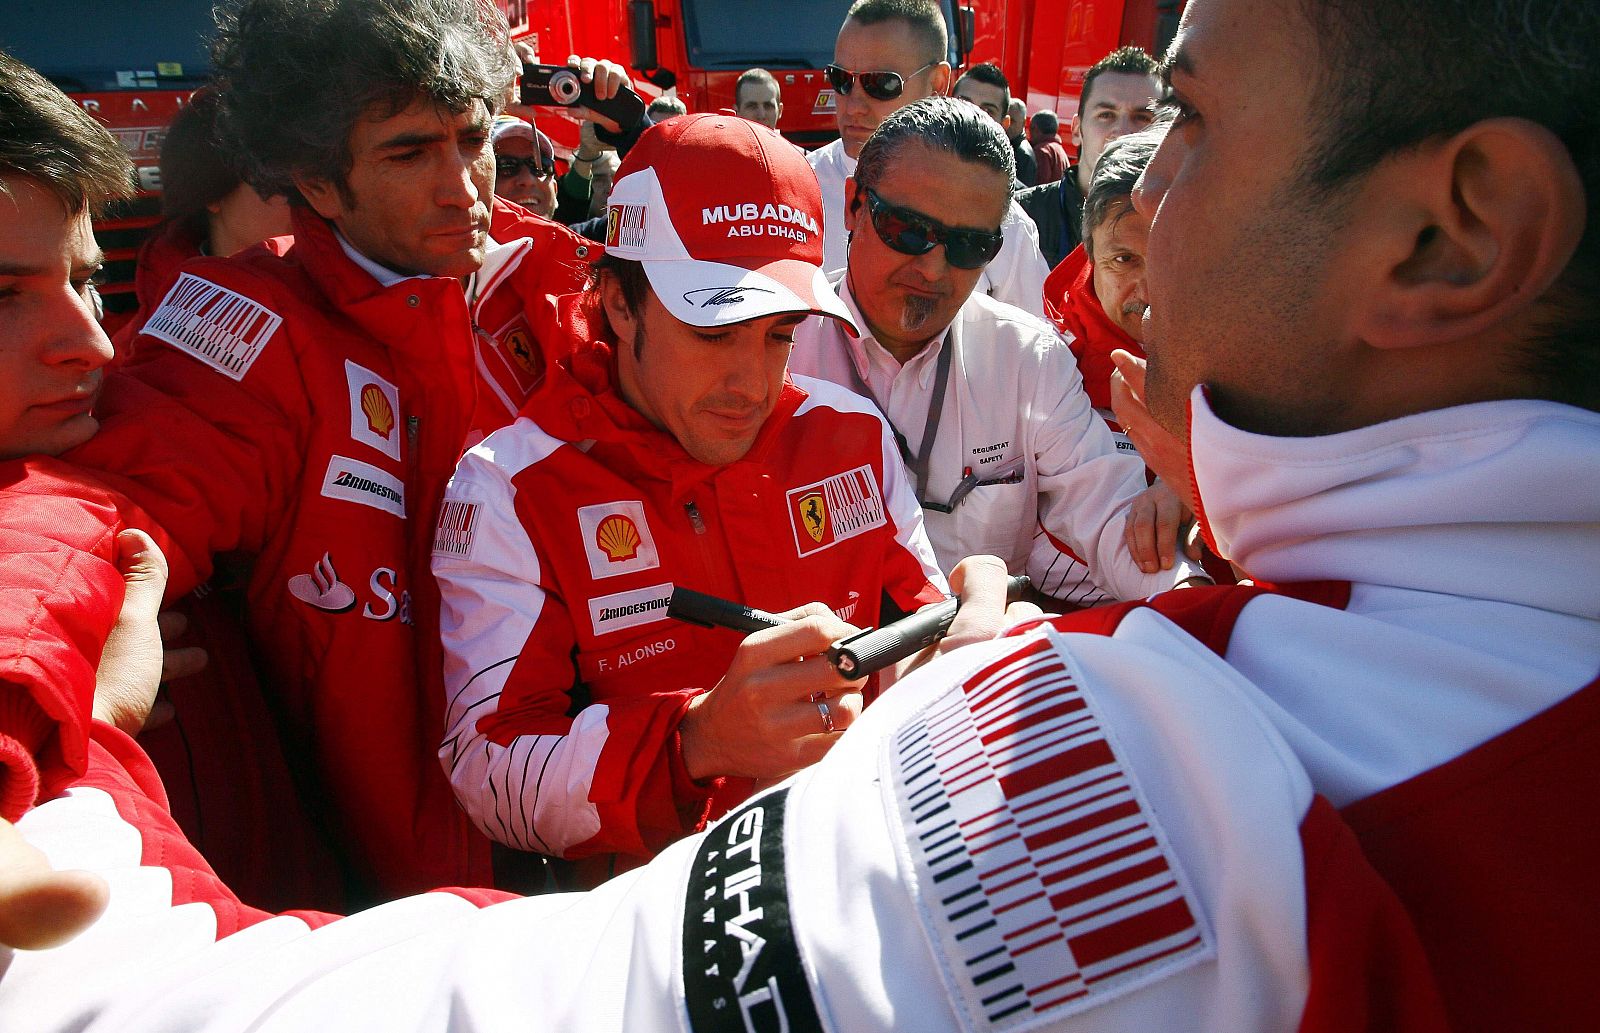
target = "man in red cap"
x: 671, y: 449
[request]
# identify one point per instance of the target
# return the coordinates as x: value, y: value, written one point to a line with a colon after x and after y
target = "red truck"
x: 699, y: 47
x: 132, y: 66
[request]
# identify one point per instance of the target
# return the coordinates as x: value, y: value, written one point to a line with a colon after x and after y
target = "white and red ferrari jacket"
x: 560, y: 541
x: 306, y: 410
x: 1105, y: 822
x: 1047, y: 832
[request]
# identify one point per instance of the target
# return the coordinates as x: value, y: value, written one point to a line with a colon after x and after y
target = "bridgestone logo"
x: 622, y: 610
x: 612, y: 613
x: 223, y: 329
x: 350, y: 480
x: 354, y: 481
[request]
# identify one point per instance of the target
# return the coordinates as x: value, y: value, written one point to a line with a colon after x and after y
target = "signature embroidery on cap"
x: 722, y: 295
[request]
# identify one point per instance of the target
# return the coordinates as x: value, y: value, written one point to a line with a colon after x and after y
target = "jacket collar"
x: 579, y: 402
x: 1495, y: 500
x: 406, y: 313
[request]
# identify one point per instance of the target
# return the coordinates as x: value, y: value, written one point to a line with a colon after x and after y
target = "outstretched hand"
x: 135, y: 661
x: 1157, y: 519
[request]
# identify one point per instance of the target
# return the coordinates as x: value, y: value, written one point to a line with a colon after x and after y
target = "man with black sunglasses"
x: 987, y: 406
x: 524, y: 164
x: 891, y: 53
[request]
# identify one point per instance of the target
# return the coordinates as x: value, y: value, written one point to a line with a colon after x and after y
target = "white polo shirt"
x: 1014, y: 414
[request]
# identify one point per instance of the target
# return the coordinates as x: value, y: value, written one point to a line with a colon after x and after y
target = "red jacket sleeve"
x: 59, y: 596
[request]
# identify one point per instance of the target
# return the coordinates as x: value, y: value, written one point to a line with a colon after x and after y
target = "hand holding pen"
x: 855, y: 656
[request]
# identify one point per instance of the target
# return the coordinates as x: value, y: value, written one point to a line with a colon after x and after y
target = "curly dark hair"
x: 294, y: 76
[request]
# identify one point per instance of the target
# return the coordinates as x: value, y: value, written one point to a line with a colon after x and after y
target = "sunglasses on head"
x: 877, y: 85
x: 912, y: 233
x: 508, y: 166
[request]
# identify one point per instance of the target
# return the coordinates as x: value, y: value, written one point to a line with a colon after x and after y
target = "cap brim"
x: 719, y: 294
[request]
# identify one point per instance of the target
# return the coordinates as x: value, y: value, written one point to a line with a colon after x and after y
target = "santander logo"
x: 322, y: 588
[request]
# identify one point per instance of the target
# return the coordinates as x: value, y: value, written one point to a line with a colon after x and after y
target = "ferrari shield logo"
x: 521, y: 349
x: 835, y: 509
x: 814, y: 515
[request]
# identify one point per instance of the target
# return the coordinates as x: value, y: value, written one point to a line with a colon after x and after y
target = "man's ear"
x: 622, y: 320
x: 939, y: 79
x: 321, y: 194
x: 853, y: 204
x: 1077, y: 135
x: 1473, y: 230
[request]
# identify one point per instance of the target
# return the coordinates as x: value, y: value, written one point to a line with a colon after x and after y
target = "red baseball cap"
x: 726, y: 217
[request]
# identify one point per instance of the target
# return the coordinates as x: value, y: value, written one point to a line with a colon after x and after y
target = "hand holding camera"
x: 598, y: 88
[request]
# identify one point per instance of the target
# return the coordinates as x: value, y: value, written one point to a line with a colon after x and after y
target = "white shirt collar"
x: 385, y: 276
x: 867, y: 353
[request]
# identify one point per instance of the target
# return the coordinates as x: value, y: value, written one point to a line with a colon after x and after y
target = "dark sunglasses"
x: 877, y: 85
x: 508, y: 167
x: 912, y: 233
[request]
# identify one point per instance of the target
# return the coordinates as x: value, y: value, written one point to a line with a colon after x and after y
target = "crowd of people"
x: 337, y: 581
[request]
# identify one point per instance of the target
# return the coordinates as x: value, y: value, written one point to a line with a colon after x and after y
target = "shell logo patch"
x: 374, y: 403
x: 837, y: 509
x: 617, y: 539
x: 380, y: 414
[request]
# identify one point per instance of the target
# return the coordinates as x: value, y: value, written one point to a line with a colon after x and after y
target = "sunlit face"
x: 888, y: 46
x: 907, y: 299
x: 759, y: 102
x: 1119, y: 242
x: 1119, y: 103
x: 419, y: 189
x: 534, y: 192
x: 711, y: 388
x: 1244, y: 270
x: 52, y: 350
x: 988, y: 98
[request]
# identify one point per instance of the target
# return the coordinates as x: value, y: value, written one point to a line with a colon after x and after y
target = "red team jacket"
x: 1070, y: 303
x: 560, y: 541
x: 296, y: 410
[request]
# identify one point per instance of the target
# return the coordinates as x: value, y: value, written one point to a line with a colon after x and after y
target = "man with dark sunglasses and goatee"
x: 986, y: 402
x: 891, y: 53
